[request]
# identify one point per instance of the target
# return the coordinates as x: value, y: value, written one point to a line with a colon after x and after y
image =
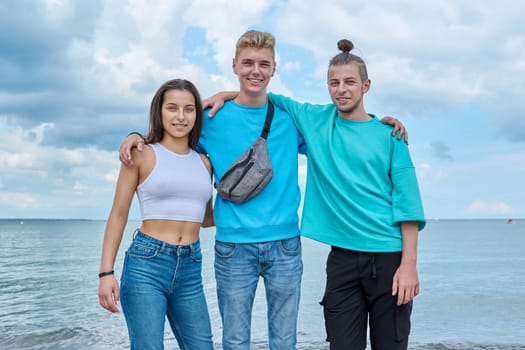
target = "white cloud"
x: 223, y: 21
x: 489, y: 208
x: 80, y: 189
x: 47, y: 179
x: 111, y: 177
x: 294, y: 66
x: 18, y: 200
x: 490, y: 186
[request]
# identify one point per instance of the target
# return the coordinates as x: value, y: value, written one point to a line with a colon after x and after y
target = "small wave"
x: 82, y: 339
x: 427, y: 346
x: 465, y: 346
x: 60, y: 339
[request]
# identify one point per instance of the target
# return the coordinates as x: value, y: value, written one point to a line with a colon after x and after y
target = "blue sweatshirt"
x: 272, y: 214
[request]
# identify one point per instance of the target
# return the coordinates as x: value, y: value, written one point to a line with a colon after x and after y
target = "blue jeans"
x: 237, y: 271
x: 158, y: 280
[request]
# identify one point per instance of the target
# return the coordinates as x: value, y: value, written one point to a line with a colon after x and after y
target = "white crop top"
x: 178, y: 187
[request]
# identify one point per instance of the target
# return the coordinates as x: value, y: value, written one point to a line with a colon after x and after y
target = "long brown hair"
x: 156, y: 131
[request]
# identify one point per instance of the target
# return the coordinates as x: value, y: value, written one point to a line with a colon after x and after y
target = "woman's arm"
x: 126, y: 185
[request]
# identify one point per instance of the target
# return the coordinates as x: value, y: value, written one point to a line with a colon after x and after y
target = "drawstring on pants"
x: 373, y: 261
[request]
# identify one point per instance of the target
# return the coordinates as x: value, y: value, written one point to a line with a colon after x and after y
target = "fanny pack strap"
x: 268, y: 121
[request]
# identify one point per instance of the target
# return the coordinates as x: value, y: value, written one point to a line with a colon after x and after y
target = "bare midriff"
x: 171, y: 231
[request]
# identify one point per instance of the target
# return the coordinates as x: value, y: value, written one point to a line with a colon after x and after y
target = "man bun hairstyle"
x: 345, y: 45
x: 345, y: 57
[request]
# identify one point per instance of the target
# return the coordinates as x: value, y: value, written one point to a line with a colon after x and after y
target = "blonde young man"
x: 259, y: 238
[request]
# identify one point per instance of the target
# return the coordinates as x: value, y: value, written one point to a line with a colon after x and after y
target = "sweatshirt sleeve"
x: 406, y: 199
x: 292, y: 107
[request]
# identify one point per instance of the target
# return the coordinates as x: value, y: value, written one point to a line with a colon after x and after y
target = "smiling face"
x: 178, y: 113
x: 254, y: 67
x: 346, y: 89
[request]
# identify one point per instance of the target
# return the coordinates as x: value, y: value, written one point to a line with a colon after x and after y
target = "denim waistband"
x: 166, y: 247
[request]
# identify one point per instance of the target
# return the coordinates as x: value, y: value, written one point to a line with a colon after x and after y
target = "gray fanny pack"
x: 251, y: 172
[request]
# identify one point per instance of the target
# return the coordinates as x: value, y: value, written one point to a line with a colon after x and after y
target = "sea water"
x: 471, y: 274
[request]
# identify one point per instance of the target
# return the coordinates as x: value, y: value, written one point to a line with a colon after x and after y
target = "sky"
x: 77, y: 76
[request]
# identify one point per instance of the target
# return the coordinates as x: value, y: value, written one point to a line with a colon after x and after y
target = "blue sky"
x: 77, y: 76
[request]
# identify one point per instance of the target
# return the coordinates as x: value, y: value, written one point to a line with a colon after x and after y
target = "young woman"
x: 162, y: 267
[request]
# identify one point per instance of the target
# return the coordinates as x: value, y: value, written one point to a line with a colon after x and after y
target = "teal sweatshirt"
x: 361, y: 183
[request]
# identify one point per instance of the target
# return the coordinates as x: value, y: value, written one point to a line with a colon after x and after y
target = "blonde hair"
x: 255, y: 39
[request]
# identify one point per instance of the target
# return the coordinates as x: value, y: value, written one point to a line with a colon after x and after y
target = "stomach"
x: 172, y: 231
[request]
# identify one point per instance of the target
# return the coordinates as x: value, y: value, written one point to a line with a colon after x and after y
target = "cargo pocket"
x: 327, y: 318
x: 402, y: 321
